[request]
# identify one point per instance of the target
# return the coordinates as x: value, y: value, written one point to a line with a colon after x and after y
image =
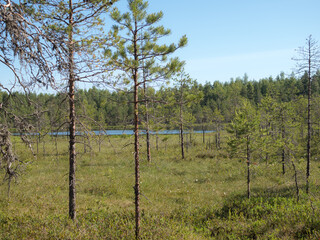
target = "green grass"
x: 201, y: 197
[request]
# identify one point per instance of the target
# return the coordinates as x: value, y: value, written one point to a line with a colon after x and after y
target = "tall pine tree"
x: 137, y: 49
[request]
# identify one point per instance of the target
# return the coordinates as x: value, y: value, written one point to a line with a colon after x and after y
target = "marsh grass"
x: 201, y: 197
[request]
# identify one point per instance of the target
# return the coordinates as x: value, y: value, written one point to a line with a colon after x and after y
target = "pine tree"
x: 183, y: 95
x: 245, y: 135
x: 74, y: 30
x: 308, y: 62
x: 137, y: 51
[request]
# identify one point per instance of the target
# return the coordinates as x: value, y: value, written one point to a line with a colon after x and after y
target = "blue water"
x: 114, y: 132
x: 124, y: 132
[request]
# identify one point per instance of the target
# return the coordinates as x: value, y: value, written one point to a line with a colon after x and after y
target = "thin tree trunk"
x: 309, y: 127
x: 248, y: 168
x: 147, y: 127
x: 148, y: 145
x: 99, y: 137
x: 181, y: 141
x: 136, y: 140
x: 216, y: 140
x: 181, y: 133
x: 283, y: 149
x: 157, y: 142
x: 72, y: 119
x: 203, y: 135
x: 137, y: 163
x: 218, y: 137
x: 38, y: 130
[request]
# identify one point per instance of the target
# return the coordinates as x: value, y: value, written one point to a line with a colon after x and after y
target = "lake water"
x: 125, y: 132
x: 117, y: 132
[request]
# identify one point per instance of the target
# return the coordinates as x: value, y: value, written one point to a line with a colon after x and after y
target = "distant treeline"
x: 101, y: 108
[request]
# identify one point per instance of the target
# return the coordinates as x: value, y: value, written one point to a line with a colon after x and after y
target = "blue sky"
x: 230, y: 38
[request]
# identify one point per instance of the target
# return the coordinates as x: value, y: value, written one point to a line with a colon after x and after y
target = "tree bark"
x: 72, y: 117
x: 136, y: 139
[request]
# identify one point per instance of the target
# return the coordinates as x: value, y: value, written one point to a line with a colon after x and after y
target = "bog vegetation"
x: 203, y: 196
x: 252, y: 172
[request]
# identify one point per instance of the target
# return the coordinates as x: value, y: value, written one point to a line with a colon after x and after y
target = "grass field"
x: 201, y: 197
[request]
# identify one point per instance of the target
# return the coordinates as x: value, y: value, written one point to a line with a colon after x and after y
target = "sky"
x: 228, y: 38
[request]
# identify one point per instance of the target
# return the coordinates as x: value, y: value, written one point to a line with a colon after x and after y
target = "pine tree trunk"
x: 203, y: 135
x: 37, y: 141
x: 136, y: 141
x: 38, y: 131
x: 181, y: 134
x: 309, y: 129
x: 147, y: 128
x: 218, y: 137
x: 157, y: 142
x: 72, y: 118
x: 99, y: 137
x: 283, y: 149
x: 137, y: 163
x: 148, y: 145
x: 283, y: 162
x: 216, y: 140
x: 181, y: 141
x: 248, y: 167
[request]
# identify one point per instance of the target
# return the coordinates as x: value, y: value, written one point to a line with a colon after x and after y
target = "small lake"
x: 126, y: 132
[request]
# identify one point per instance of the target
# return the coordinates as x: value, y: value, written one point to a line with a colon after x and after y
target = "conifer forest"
x: 147, y: 151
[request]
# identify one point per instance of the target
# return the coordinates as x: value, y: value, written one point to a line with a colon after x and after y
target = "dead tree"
x: 308, y: 62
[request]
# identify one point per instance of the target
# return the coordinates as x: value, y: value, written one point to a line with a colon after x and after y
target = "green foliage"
x: 136, y: 45
x: 265, y: 218
x: 244, y: 129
